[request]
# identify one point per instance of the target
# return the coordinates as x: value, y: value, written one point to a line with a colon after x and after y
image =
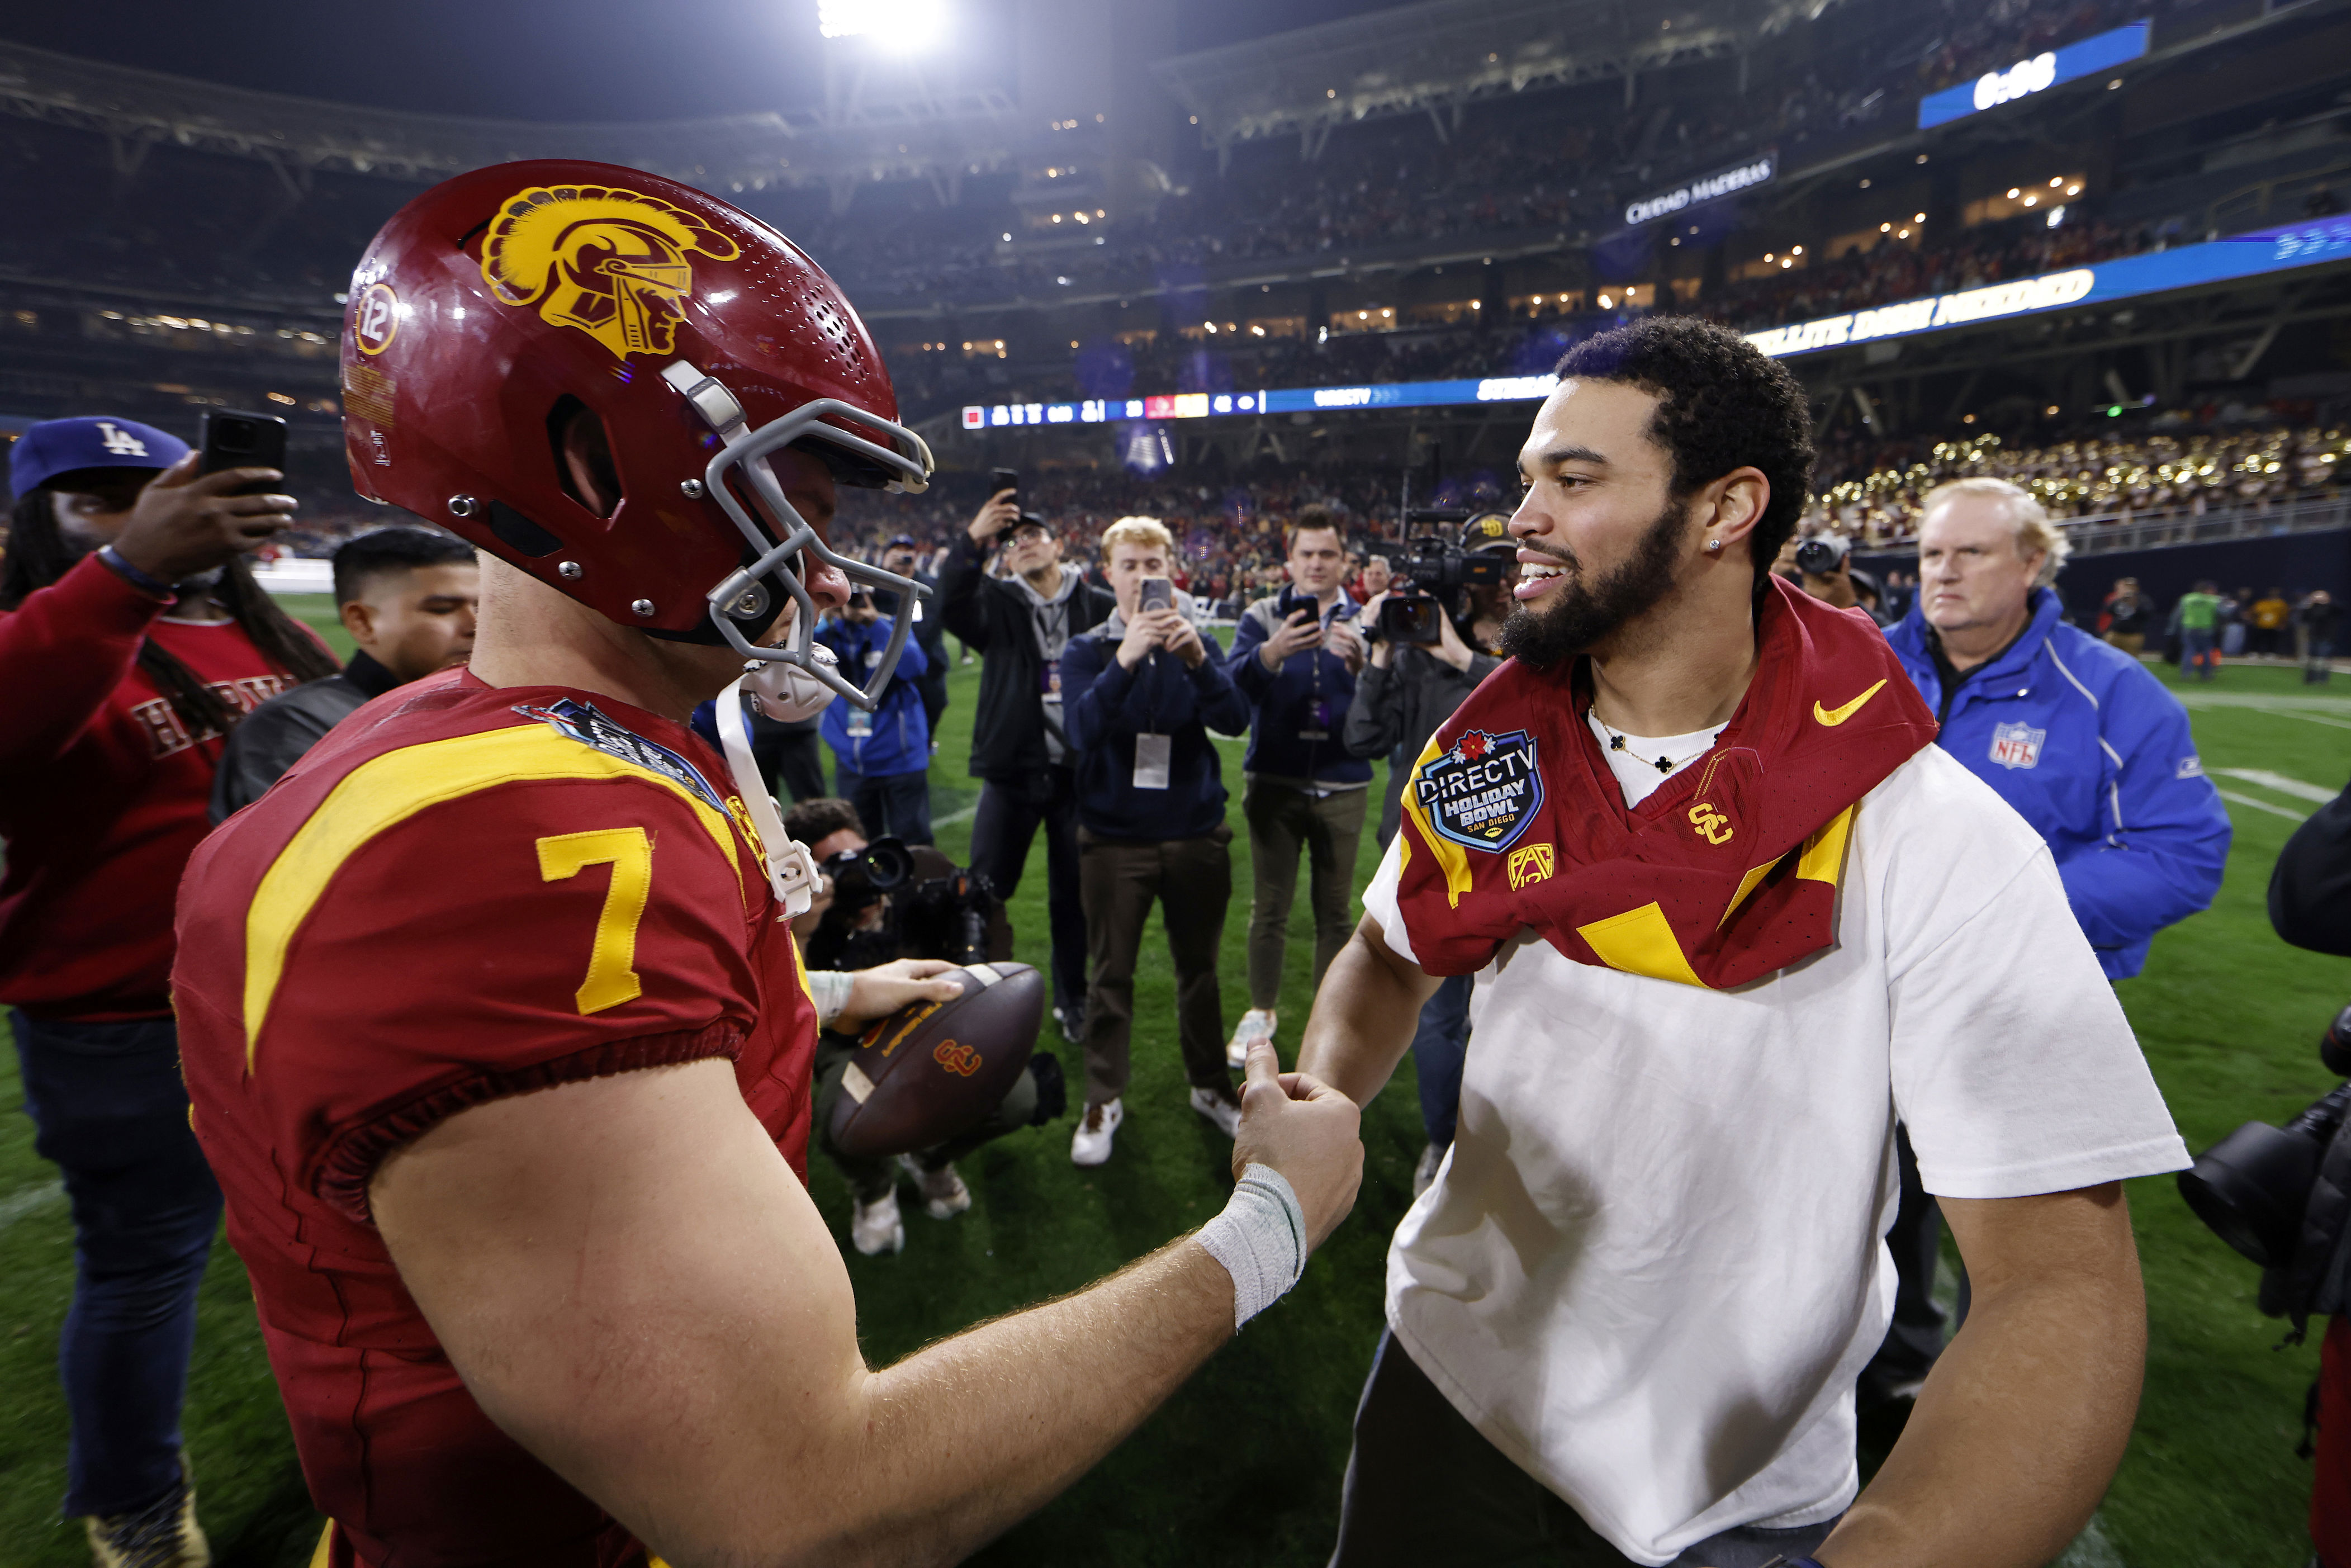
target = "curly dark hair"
x: 813, y: 821
x: 1721, y: 405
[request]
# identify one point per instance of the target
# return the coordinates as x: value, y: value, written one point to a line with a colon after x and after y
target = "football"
x: 931, y: 1071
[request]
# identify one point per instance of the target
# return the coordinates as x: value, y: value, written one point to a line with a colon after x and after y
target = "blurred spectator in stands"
x: 882, y: 756
x: 902, y: 555
x: 2268, y: 616
x: 2321, y: 201
x: 2313, y: 631
x: 1142, y: 690
x: 2128, y: 614
x: 407, y: 596
x: 2089, y: 748
x: 1021, y: 623
x: 1295, y: 654
x: 133, y: 636
x: 1402, y: 694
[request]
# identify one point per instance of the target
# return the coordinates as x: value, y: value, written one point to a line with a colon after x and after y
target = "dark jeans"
x: 1192, y: 882
x: 898, y: 803
x: 1439, y: 1047
x: 2196, y: 652
x: 793, y: 758
x: 1914, y: 1338
x: 1003, y: 827
x: 110, y: 1110
x: 1425, y: 1489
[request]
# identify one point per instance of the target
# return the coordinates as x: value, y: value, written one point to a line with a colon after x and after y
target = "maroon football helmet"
x: 495, y: 305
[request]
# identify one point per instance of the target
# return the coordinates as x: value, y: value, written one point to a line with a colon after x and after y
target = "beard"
x: 1583, y: 614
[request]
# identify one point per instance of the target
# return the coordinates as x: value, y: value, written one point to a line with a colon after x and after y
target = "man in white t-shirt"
x: 1732, y: 914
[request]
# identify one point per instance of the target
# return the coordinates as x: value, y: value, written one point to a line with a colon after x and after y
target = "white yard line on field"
x: 2290, y: 816
x: 2317, y: 794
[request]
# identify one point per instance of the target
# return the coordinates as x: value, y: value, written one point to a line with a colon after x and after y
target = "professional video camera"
x: 937, y: 909
x: 1823, y: 554
x: 1443, y: 553
x: 2281, y: 1195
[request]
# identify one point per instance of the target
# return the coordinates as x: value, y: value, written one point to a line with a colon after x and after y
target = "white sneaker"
x: 1224, y: 1113
x: 1255, y: 1024
x: 876, y: 1228
x: 943, y: 1194
x: 1091, y: 1144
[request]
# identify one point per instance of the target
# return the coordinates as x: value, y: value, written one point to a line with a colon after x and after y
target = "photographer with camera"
x: 1020, y: 623
x: 899, y: 916
x: 1295, y: 654
x: 1144, y: 689
x: 2282, y: 1195
x: 1409, y: 686
x: 881, y: 759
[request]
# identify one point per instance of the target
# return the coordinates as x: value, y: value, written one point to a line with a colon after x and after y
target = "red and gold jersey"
x: 463, y: 892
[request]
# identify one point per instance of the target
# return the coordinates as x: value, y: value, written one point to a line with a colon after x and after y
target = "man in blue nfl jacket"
x: 2084, y: 743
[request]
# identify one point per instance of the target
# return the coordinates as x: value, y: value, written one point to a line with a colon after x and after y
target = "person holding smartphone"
x: 1295, y: 657
x: 133, y: 638
x: 1142, y: 692
x: 1020, y: 623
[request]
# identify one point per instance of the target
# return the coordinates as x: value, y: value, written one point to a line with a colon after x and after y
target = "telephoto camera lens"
x: 1821, y: 556
x: 2252, y: 1187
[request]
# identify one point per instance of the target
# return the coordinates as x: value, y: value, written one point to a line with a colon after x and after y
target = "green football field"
x: 1242, y: 1465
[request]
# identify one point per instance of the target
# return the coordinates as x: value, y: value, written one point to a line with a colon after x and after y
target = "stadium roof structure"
x: 1442, y: 54
x: 884, y: 134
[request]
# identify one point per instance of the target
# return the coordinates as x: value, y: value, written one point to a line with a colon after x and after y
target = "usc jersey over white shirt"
x: 1653, y: 1265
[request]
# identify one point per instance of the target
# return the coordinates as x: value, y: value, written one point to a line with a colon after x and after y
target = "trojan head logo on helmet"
x: 611, y: 263
x: 591, y: 373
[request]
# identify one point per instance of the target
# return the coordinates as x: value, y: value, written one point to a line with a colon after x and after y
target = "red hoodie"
x: 103, y: 793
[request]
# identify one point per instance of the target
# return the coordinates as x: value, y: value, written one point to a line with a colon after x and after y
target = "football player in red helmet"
x: 491, y: 1020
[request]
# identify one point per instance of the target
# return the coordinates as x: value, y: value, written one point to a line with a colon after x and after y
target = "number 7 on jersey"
x: 613, y: 959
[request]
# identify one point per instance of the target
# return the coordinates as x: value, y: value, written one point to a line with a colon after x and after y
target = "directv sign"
x: 2240, y: 255
x: 1706, y: 188
x: 2102, y: 52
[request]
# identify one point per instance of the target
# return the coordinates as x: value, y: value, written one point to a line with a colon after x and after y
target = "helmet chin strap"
x: 791, y: 871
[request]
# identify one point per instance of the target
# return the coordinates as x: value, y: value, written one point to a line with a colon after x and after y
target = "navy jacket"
x: 1106, y: 705
x: 2096, y: 755
x: 1311, y: 692
x: 901, y: 738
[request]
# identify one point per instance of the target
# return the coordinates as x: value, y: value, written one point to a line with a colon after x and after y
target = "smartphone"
x: 232, y: 440
x: 1000, y: 480
x: 1158, y: 593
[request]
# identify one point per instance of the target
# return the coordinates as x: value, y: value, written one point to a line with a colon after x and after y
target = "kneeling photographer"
x: 2282, y: 1195
x: 1434, y: 634
x: 887, y: 903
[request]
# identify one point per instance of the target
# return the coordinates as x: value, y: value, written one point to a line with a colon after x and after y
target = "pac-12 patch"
x: 1483, y: 792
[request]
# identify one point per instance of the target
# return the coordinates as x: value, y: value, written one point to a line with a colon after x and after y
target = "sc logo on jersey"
x: 1483, y: 792
x: 2017, y: 745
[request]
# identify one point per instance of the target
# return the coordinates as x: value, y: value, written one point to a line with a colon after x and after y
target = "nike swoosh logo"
x: 1832, y: 716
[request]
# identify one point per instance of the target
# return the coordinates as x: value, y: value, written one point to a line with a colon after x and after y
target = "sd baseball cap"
x: 57, y: 446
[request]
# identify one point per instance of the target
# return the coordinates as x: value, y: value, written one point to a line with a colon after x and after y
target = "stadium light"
x: 900, y: 26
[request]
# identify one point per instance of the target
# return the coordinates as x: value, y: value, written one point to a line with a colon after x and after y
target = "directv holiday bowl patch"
x: 1483, y: 792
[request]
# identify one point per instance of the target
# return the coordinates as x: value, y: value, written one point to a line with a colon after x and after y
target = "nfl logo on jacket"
x: 2017, y: 745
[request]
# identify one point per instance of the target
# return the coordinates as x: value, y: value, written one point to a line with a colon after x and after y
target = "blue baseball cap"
x: 57, y: 446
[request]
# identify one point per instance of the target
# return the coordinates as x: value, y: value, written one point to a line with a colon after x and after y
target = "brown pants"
x: 1284, y: 819
x: 1192, y: 880
x: 2130, y: 642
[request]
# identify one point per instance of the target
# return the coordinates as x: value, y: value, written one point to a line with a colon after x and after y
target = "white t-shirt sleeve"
x: 2012, y: 1064
x: 1380, y: 899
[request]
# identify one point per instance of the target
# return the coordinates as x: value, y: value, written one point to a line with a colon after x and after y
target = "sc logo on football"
x: 955, y: 1056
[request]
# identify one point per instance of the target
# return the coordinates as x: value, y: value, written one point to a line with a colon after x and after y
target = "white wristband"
x: 830, y: 989
x: 1261, y: 1239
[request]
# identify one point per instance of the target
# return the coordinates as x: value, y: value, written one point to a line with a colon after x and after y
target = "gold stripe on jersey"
x: 1641, y: 942
x: 381, y: 793
x: 1450, y: 856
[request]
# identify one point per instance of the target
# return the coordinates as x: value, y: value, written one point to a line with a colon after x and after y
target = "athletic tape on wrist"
x: 1261, y: 1239
x: 830, y: 989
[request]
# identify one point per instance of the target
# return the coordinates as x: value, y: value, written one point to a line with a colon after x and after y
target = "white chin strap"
x: 790, y: 870
x: 787, y: 694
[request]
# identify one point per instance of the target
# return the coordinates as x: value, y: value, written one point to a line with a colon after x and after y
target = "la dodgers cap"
x: 57, y: 446
x: 906, y: 540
